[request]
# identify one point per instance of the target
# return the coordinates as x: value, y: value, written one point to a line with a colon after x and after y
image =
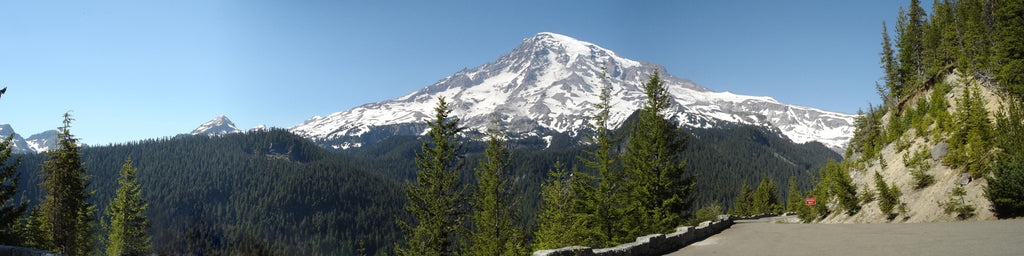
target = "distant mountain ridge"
x: 37, y: 143
x: 549, y: 83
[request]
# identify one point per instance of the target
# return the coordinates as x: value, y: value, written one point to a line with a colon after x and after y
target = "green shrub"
x: 971, y: 140
x: 919, y: 167
x: 706, y: 213
x: 957, y: 205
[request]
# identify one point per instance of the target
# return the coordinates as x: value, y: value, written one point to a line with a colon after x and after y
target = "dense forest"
x: 256, y: 193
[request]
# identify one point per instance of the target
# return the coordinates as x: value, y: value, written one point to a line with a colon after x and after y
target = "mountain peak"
x: 562, y: 49
x: 218, y: 126
x: 5, y: 130
x: 37, y: 143
x: 549, y: 83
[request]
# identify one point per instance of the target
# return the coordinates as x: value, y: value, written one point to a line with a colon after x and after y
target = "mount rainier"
x: 549, y: 83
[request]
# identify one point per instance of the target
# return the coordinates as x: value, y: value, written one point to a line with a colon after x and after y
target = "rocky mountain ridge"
x: 37, y: 143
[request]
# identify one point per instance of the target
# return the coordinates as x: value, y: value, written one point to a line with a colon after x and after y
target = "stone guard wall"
x: 656, y: 244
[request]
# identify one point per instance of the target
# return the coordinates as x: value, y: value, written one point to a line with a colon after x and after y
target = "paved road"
x: 765, y: 237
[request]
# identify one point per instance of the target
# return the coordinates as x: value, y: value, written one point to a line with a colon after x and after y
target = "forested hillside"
x: 254, y: 193
x: 945, y: 143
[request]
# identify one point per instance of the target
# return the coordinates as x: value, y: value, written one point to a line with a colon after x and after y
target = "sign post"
x: 811, y: 201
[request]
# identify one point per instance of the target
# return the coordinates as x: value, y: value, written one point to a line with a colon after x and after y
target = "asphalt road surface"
x: 766, y: 237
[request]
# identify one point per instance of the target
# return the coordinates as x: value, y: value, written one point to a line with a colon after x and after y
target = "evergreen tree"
x: 605, y: 210
x: 938, y: 39
x: 971, y: 140
x: 893, y: 84
x: 910, y: 29
x: 1006, y: 184
x: 837, y: 184
x: 10, y: 210
x: 583, y: 203
x: 1010, y: 45
x: 973, y: 35
x: 495, y: 210
x: 128, y: 231
x: 766, y: 198
x: 71, y: 218
x: 794, y: 198
x: 743, y: 205
x: 437, y: 200
x: 37, y: 231
x: 555, y: 221
x: 887, y: 198
x: 659, y: 190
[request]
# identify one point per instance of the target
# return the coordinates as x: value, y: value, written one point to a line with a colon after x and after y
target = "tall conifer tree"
x: 606, y: 209
x: 10, y: 210
x: 743, y: 204
x: 886, y: 197
x: 71, y: 218
x: 437, y: 200
x: 128, y: 231
x: 937, y: 49
x: 910, y: 45
x: 766, y: 198
x: 495, y: 209
x: 891, y: 67
x: 37, y: 231
x: 974, y: 39
x: 1006, y: 184
x: 1010, y: 45
x: 659, y: 190
x: 794, y: 198
x: 556, y: 220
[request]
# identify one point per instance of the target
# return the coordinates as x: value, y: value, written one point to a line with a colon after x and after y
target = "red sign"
x: 811, y: 201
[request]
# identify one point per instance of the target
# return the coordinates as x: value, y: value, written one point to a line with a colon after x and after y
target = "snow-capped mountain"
x: 549, y: 83
x: 218, y: 126
x: 37, y: 143
x: 259, y: 128
x: 44, y: 141
x: 20, y: 146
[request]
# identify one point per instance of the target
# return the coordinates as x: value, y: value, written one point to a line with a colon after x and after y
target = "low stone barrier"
x: 22, y: 251
x: 763, y: 215
x: 656, y: 244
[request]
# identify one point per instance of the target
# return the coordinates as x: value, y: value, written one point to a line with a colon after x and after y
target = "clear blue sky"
x: 131, y: 70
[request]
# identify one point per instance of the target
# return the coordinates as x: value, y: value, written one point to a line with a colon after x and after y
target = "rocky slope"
x: 549, y: 83
x: 922, y: 204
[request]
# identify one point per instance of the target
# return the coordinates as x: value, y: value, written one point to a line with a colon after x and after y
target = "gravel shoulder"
x: 767, y: 237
